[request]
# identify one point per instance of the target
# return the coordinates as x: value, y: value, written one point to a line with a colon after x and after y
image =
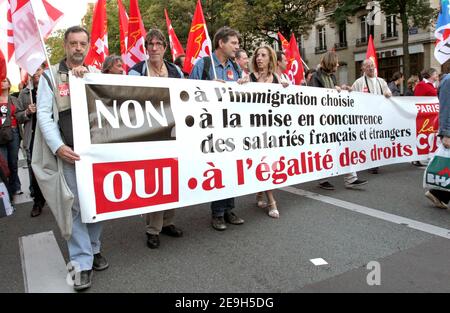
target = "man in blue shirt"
x: 226, y: 44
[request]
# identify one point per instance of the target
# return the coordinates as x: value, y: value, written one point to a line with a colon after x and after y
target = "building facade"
x: 349, y: 40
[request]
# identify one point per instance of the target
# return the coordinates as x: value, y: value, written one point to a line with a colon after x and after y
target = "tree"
x: 412, y: 13
x: 55, y: 47
x: 256, y: 20
x: 265, y: 18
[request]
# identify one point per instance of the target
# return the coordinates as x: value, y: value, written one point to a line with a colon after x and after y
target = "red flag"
x: 199, y: 44
x: 136, y: 37
x: 3, y: 70
x: 29, y: 50
x: 372, y: 54
x: 23, y: 77
x: 10, y: 33
x: 175, y: 45
x: 98, y: 50
x: 294, y: 69
x: 123, y: 26
x: 284, y: 43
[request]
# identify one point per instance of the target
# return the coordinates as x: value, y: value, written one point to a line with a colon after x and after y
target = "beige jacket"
x: 365, y: 84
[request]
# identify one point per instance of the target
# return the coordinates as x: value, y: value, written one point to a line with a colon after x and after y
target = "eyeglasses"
x: 157, y: 44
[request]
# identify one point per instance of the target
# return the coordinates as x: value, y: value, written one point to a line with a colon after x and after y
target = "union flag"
x: 199, y: 44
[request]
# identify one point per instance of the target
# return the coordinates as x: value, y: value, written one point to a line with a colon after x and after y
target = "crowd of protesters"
x: 34, y: 107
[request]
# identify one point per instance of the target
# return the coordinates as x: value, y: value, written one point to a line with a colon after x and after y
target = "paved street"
x: 346, y: 228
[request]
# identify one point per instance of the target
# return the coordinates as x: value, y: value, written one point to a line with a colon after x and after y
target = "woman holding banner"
x: 325, y: 77
x: 264, y: 64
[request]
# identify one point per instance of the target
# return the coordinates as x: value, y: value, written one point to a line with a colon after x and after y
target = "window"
x: 322, y: 44
x: 391, y: 26
x: 366, y: 29
x: 343, y: 34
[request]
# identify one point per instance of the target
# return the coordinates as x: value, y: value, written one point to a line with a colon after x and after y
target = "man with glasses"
x: 156, y: 44
x: 156, y: 66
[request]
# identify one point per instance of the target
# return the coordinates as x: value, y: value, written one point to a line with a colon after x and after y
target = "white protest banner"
x: 151, y: 144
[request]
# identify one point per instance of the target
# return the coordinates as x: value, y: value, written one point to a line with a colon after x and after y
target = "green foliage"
x: 256, y: 20
x: 417, y: 12
x: 55, y: 47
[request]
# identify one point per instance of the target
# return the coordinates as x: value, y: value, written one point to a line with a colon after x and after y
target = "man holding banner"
x: 156, y: 45
x: 84, y: 240
x: 226, y: 44
x: 370, y: 83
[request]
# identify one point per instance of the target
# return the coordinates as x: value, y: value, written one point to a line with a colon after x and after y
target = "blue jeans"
x: 85, y: 239
x: 218, y: 208
x: 10, y: 152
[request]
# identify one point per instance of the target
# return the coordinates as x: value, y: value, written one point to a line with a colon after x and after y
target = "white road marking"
x: 318, y: 262
x: 43, y: 266
x: 427, y: 228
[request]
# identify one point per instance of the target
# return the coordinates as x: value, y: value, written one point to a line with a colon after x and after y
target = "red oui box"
x: 122, y: 186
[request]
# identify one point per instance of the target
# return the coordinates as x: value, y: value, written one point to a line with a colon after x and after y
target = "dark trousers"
x: 218, y: 208
x: 10, y: 152
x: 444, y: 196
x: 38, y: 197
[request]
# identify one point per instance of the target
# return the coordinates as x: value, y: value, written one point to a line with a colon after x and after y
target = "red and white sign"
x: 427, y: 122
x: 121, y: 186
x: 28, y: 46
x: 170, y: 146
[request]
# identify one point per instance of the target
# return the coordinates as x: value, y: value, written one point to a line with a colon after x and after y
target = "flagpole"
x: 53, y: 81
x: 30, y: 87
x: 307, y: 68
x: 212, y: 57
x: 146, y: 61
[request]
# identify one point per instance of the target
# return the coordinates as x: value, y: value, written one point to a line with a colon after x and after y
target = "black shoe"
x: 326, y: 185
x: 83, y: 280
x: 152, y: 241
x: 172, y: 231
x: 231, y: 218
x: 373, y: 170
x: 218, y: 223
x: 356, y: 184
x: 100, y: 263
x: 436, y: 201
x: 36, y: 211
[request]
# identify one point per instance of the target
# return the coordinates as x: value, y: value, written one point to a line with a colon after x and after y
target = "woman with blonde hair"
x: 325, y: 77
x: 264, y: 65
